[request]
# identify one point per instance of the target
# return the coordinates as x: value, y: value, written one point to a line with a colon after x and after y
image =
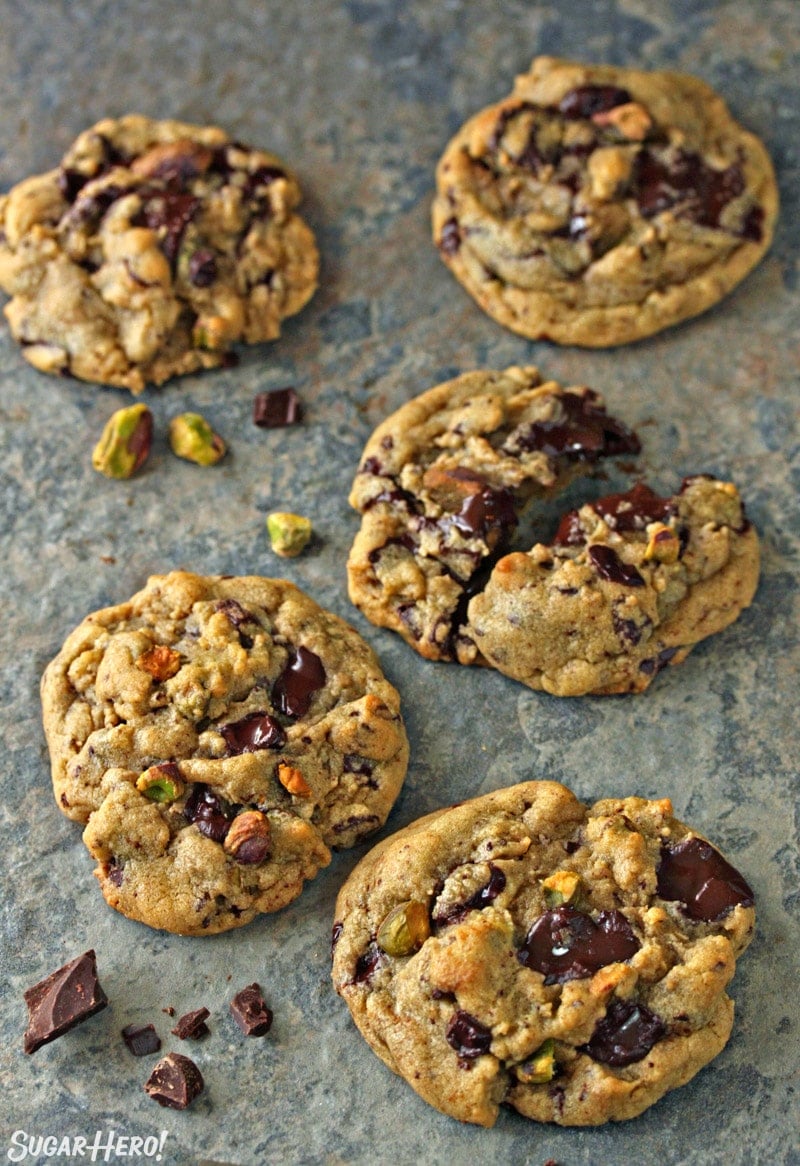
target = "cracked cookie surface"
x: 217, y: 736
x: 523, y: 948
x: 152, y: 250
x: 597, y: 205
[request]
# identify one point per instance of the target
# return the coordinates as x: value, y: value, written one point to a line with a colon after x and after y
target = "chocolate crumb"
x: 250, y: 1011
x: 192, y: 1025
x: 62, y: 1000
x: 141, y: 1039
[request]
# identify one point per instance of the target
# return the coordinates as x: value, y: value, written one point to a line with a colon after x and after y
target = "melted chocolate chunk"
x: 565, y: 944
x: 249, y: 1010
x: 368, y: 964
x: 468, y: 1036
x: 610, y: 566
x: 490, y: 510
x: 141, y: 1039
x: 301, y: 678
x: 62, y: 1000
x: 171, y: 210
x: 585, y: 433
x: 570, y: 533
x: 250, y: 734
x: 192, y: 1025
x: 626, y: 1034
x: 634, y: 509
x: 587, y: 100
x: 700, y: 192
x: 405, y: 541
x: 482, y: 898
x: 277, y: 409
x: 706, y: 885
x: 208, y: 812
x: 174, y: 1082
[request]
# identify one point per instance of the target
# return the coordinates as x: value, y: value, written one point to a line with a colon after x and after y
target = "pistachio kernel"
x: 293, y: 781
x: 248, y: 838
x: 663, y: 544
x: 192, y: 438
x: 288, y: 533
x: 125, y: 442
x: 161, y: 783
x: 540, y: 1068
x: 561, y: 889
x: 405, y: 929
x: 212, y: 333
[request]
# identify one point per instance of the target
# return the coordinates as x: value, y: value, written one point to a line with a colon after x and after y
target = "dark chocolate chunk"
x: 587, y: 100
x: 249, y: 1010
x: 63, y: 999
x: 490, y: 510
x: 251, y: 733
x: 468, y: 1036
x: 481, y: 898
x: 626, y: 1034
x: 706, y: 885
x: 202, y: 267
x: 192, y: 1025
x: 169, y: 212
x: 368, y: 964
x: 610, y: 566
x: 450, y: 237
x: 301, y: 678
x: 174, y: 1082
x: 141, y: 1039
x: 208, y: 812
x: 565, y: 944
x: 655, y: 664
x: 700, y: 192
x: 585, y: 432
x: 634, y: 509
x: 276, y: 409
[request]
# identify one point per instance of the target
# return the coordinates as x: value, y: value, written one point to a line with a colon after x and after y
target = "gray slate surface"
x: 360, y: 98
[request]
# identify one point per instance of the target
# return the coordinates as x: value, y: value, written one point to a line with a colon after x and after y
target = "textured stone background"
x: 360, y: 98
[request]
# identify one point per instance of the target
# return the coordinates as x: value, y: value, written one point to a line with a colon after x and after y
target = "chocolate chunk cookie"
x: 441, y: 486
x: 596, y: 205
x: 630, y: 584
x: 521, y: 947
x: 217, y: 735
x: 150, y: 251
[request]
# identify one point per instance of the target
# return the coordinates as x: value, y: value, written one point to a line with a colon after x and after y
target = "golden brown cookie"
x: 522, y: 947
x: 217, y: 735
x: 152, y: 250
x: 597, y: 204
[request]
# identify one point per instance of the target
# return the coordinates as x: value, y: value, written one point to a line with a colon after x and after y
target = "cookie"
x: 522, y: 948
x: 597, y: 205
x: 150, y: 251
x: 629, y: 585
x: 442, y: 483
x: 217, y: 736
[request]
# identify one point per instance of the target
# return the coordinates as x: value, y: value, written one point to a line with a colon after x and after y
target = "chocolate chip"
x: 566, y: 944
x: 253, y: 732
x: 202, y: 267
x: 468, y: 1036
x: 249, y: 1010
x: 626, y: 1034
x: 141, y: 1039
x: 174, y: 1082
x: 62, y: 1000
x: 301, y: 678
x: 368, y: 964
x: 610, y: 566
x: 697, y: 876
x: 192, y: 1025
x: 481, y: 898
x: 655, y: 664
x: 168, y: 212
x: 208, y: 812
x: 450, y: 237
x: 276, y: 409
x: 587, y: 100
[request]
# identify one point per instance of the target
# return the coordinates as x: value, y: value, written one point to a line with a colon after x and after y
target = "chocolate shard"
x: 63, y: 999
x: 141, y: 1039
x: 192, y: 1025
x: 174, y: 1082
x: 249, y: 1010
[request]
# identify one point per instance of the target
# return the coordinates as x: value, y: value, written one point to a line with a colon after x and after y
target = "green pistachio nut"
x: 562, y: 889
x: 161, y: 783
x: 540, y: 1068
x: 405, y: 929
x: 192, y: 438
x: 289, y: 534
x: 125, y: 442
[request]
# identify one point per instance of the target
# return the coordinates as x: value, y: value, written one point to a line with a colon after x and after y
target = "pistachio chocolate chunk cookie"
x: 568, y: 960
x: 630, y: 584
x: 441, y: 486
x: 597, y: 205
x: 217, y: 735
x: 150, y: 251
